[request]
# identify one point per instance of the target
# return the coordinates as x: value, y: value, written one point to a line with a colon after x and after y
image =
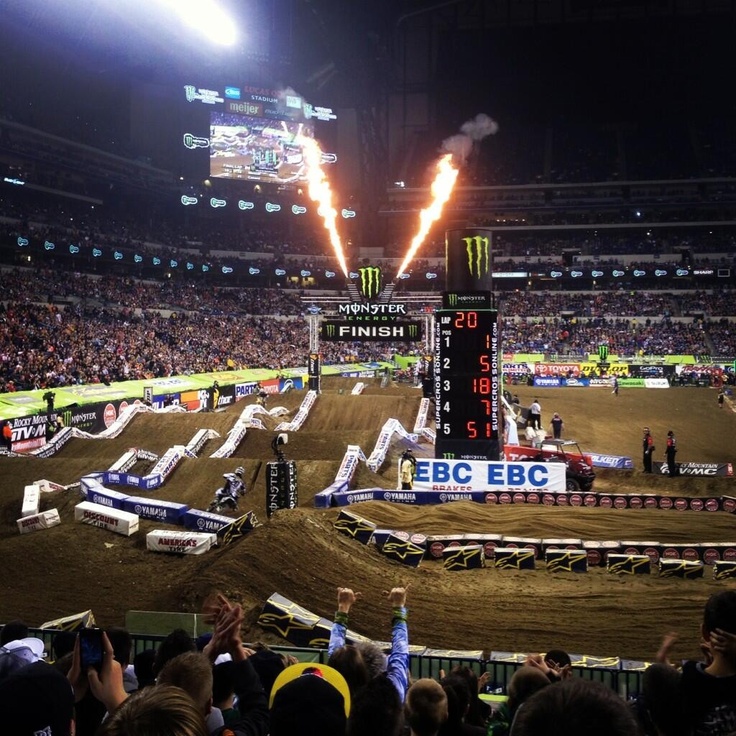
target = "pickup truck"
x: 579, y: 474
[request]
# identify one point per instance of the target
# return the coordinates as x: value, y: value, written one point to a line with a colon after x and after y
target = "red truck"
x: 579, y: 474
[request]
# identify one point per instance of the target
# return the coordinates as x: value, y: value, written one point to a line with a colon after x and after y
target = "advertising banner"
x: 611, y: 461
x: 188, y: 543
x: 474, y: 475
x: 344, y: 331
x: 709, y: 470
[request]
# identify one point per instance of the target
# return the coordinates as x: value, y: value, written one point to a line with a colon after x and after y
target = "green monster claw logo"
x: 478, y: 249
x: 602, y: 352
x: 370, y: 281
x: 330, y: 330
x: 452, y: 298
x: 413, y: 330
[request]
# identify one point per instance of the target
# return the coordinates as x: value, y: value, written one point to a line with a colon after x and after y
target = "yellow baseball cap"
x: 313, y: 669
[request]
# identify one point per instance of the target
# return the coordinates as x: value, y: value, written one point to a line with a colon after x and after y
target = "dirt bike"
x: 226, y: 496
x: 226, y: 503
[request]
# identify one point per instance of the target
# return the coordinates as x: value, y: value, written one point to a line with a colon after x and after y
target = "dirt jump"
x: 299, y: 554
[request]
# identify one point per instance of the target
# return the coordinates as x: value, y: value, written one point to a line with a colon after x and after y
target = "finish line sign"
x: 346, y: 331
x: 457, y: 476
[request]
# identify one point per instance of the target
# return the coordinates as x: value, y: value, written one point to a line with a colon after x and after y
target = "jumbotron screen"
x: 256, y: 149
x: 249, y: 133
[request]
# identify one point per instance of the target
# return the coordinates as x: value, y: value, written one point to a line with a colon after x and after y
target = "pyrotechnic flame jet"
x: 442, y: 186
x: 457, y: 149
x: 320, y: 192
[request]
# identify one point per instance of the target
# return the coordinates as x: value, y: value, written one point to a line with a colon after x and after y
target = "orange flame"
x: 442, y: 186
x: 319, y: 191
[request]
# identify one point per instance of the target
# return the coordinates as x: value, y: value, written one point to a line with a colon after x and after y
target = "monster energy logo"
x: 413, y: 330
x: 330, y: 330
x: 452, y: 300
x: 602, y: 352
x: 370, y: 281
x: 478, y: 249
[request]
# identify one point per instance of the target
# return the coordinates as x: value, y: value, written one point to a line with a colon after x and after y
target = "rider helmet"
x: 239, y: 471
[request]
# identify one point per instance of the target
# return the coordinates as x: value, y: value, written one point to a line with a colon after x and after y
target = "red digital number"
x: 466, y: 320
x: 482, y: 385
x: 472, y: 429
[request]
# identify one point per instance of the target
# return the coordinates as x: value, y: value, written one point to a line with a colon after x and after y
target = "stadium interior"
x: 127, y: 251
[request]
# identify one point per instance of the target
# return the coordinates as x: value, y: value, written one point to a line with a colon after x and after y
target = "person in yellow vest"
x: 407, y: 467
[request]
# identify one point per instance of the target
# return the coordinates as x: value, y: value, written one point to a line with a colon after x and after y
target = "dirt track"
x: 299, y: 554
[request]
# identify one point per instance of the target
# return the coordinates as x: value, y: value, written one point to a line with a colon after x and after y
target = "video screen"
x: 245, y: 148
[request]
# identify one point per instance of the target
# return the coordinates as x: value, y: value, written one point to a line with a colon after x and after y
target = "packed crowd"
x: 48, y: 347
x: 64, y: 328
x: 601, y: 304
x: 94, y: 684
x: 621, y: 336
x: 167, y: 234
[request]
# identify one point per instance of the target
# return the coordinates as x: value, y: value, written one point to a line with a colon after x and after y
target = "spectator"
x: 458, y: 705
x: 524, y: 683
x: 309, y: 700
x: 143, y: 668
x: 478, y: 711
x: 376, y: 709
x: 223, y: 691
x: 574, y: 707
x: 269, y: 665
x: 164, y: 710
x: 426, y: 707
x: 37, y: 700
x: 398, y: 660
x: 18, y: 654
x: 176, y: 643
x: 705, y: 691
x: 13, y: 630
x: 122, y: 644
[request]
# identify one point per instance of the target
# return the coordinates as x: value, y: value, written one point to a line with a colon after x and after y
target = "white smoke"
x: 460, y: 145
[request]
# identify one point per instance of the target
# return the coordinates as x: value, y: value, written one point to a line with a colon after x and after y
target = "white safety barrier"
x: 114, y: 520
x: 421, y: 419
x: 301, y: 415
x: 42, y: 520
x: 199, y: 440
x: 31, y: 500
x: 389, y: 429
x: 179, y: 542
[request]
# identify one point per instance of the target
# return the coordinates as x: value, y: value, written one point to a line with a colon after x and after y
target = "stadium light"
x: 208, y: 17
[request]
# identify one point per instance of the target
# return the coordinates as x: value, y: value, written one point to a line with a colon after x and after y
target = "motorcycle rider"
x: 233, y: 488
x: 261, y: 395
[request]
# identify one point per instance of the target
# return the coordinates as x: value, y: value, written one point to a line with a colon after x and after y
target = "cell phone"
x: 90, y: 648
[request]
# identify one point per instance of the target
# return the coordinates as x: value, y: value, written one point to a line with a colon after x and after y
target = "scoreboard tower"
x: 467, y: 370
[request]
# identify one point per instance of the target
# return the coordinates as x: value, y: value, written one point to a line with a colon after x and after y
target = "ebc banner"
x: 477, y: 475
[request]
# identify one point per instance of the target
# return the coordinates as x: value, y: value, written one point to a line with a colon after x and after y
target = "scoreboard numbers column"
x: 467, y: 385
